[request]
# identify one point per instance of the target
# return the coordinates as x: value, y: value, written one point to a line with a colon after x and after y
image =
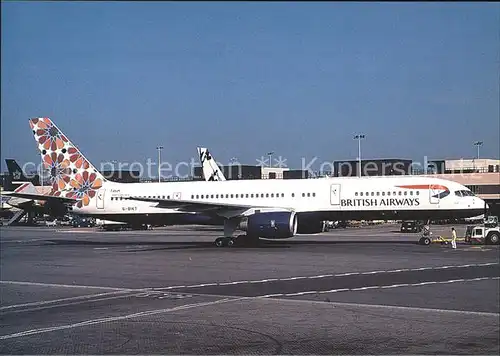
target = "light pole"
x: 159, y: 148
x: 359, y: 137
x: 270, y: 154
x: 478, y: 144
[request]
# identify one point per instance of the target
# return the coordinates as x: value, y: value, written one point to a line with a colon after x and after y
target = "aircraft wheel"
x: 219, y: 242
x: 425, y: 241
x: 492, y: 239
x: 229, y: 242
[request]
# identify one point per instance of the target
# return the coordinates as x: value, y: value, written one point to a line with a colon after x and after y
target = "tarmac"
x: 368, y: 290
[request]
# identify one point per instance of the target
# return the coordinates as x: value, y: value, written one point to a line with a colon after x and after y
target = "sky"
x: 245, y: 78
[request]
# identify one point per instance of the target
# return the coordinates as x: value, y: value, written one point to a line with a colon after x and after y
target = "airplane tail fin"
x: 211, y: 171
x: 15, y: 170
x: 17, y: 173
x: 71, y: 174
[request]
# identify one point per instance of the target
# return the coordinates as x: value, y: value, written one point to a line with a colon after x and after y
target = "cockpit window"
x: 464, y: 193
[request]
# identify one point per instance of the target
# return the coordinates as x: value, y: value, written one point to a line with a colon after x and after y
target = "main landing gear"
x: 230, y: 226
x: 240, y: 240
x: 224, y: 242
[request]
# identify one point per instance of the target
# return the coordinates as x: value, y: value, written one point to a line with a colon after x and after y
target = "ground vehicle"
x: 78, y: 221
x: 412, y: 226
x: 51, y: 223
x: 487, y: 233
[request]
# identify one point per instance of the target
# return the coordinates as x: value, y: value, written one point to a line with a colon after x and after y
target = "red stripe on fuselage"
x: 424, y: 186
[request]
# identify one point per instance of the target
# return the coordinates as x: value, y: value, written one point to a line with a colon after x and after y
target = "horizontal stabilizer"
x: 36, y: 196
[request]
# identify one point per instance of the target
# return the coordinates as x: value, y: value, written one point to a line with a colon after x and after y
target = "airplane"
x: 36, y: 207
x: 17, y: 174
x: 211, y: 171
x: 274, y: 208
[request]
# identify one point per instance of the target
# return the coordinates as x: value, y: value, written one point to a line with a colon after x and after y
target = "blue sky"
x: 299, y: 78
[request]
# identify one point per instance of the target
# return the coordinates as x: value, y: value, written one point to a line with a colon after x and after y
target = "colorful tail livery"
x: 71, y: 174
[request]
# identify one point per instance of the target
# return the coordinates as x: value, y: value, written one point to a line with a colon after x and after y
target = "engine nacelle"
x: 275, y: 225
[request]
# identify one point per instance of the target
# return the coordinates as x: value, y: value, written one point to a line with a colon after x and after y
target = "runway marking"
x: 116, y: 318
x: 66, y: 285
x: 45, y: 302
x: 375, y: 287
x: 383, y: 306
x: 70, y: 303
x: 267, y: 280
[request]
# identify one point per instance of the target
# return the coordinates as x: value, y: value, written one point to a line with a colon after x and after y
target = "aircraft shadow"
x: 138, y: 246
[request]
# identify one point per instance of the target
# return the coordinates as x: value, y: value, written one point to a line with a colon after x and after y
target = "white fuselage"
x: 335, y: 195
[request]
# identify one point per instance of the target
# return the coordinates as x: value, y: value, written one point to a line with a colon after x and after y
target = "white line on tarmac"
x: 327, y: 276
x: 115, y: 318
x: 382, y: 306
x: 52, y: 301
x: 65, y: 285
x: 71, y: 303
x: 377, y: 287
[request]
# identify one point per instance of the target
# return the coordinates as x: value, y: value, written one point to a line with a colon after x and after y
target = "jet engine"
x: 273, y: 225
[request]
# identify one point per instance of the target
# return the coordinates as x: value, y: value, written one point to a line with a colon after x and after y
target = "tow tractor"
x: 487, y: 233
x: 425, y: 239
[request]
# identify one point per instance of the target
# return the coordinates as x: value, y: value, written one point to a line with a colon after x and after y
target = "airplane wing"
x: 223, y: 209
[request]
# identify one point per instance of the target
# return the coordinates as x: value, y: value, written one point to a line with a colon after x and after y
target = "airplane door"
x: 100, y: 198
x: 433, y: 195
x: 335, y: 194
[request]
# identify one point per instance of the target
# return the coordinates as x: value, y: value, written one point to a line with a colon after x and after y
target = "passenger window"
x: 309, y: 194
x: 411, y: 192
x: 232, y: 195
x: 272, y: 195
x: 212, y: 196
x: 399, y: 193
x: 378, y: 193
x: 246, y: 195
x: 262, y: 195
x: 192, y: 196
x: 293, y: 195
x: 251, y: 195
x: 267, y: 195
x: 236, y: 196
x: 283, y: 195
x: 405, y: 193
x: 356, y: 194
x: 373, y: 193
x: 303, y: 194
x: 314, y: 194
x: 361, y: 194
x: 418, y: 193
